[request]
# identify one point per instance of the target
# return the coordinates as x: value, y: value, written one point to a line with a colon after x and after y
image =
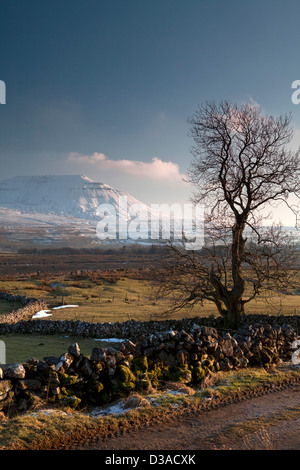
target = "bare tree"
x: 241, y: 166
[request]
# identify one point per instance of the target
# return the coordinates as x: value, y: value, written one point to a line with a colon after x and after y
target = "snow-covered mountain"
x: 62, y: 210
x: 65, y: 196
x: 75, y: 210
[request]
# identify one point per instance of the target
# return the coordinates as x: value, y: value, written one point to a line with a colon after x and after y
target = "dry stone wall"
x: 31, y: 305
x: 148, y: 362
x: 131, y: 329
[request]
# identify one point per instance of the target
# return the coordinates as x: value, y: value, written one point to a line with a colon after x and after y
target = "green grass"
x: 19, y: 348
x: 235, y: 381
x: 7, y: 307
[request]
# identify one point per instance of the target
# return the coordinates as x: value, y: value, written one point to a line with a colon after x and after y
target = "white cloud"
x: 156, y: 169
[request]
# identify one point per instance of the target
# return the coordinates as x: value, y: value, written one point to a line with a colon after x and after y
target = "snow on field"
x: 64, y: 306
x: 42, y: 313
x: 110, y: 340
x: 117, y: 409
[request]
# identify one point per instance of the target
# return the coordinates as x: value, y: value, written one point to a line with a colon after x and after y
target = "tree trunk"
x: 232, y: 319
x: 235, y: 306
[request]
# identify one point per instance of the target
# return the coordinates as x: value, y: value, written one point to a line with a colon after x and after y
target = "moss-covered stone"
x: 140, y: 365
x: 72, y: 401
x: 79, y: 388
x: 67, y: 380
x: 126, y: 374
x: 96, y: 386
x: 125, y: 380
x: 63, y: 392
x: 157, y: 373
x: 181, y: 374
x: 198, y: 374
x: 153, y: 378
x: 268, y: 356
x: 144, y: 383
x: 98, y: 367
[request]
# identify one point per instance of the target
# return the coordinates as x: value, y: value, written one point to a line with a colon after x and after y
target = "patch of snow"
x: 117, y: 408
x: 110, y: 340
x: 64, y: 306
x: 42, y: 313
x: 120, y: 406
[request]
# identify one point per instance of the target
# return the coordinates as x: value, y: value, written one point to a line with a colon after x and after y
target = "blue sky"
x: 105, y: 88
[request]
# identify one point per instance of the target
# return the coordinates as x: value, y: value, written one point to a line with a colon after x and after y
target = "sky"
x: 105, y: 88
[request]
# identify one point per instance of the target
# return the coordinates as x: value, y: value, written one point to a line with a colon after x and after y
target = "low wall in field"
x: 131, y: 329
x: 31, y: 305
x: 148, y: 363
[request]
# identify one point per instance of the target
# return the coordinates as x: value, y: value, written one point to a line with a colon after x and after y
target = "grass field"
x: 120, y: 298
x: 20, y: 348
x: 98, y: 301
x: 8, y: 307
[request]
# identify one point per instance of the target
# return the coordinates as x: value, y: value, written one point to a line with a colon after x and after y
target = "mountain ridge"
x: 70, y: 196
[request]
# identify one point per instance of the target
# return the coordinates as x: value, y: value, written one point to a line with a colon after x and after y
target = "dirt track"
x: 268, y: 422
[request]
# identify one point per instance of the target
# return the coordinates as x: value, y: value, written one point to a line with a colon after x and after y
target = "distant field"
x: 98, y: 301
x: 18, y: 264
x: 119, y: 298
x: 108, y: 285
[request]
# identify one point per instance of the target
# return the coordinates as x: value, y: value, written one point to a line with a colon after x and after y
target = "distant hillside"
x: 59, y: 210
x: 62, y: 196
